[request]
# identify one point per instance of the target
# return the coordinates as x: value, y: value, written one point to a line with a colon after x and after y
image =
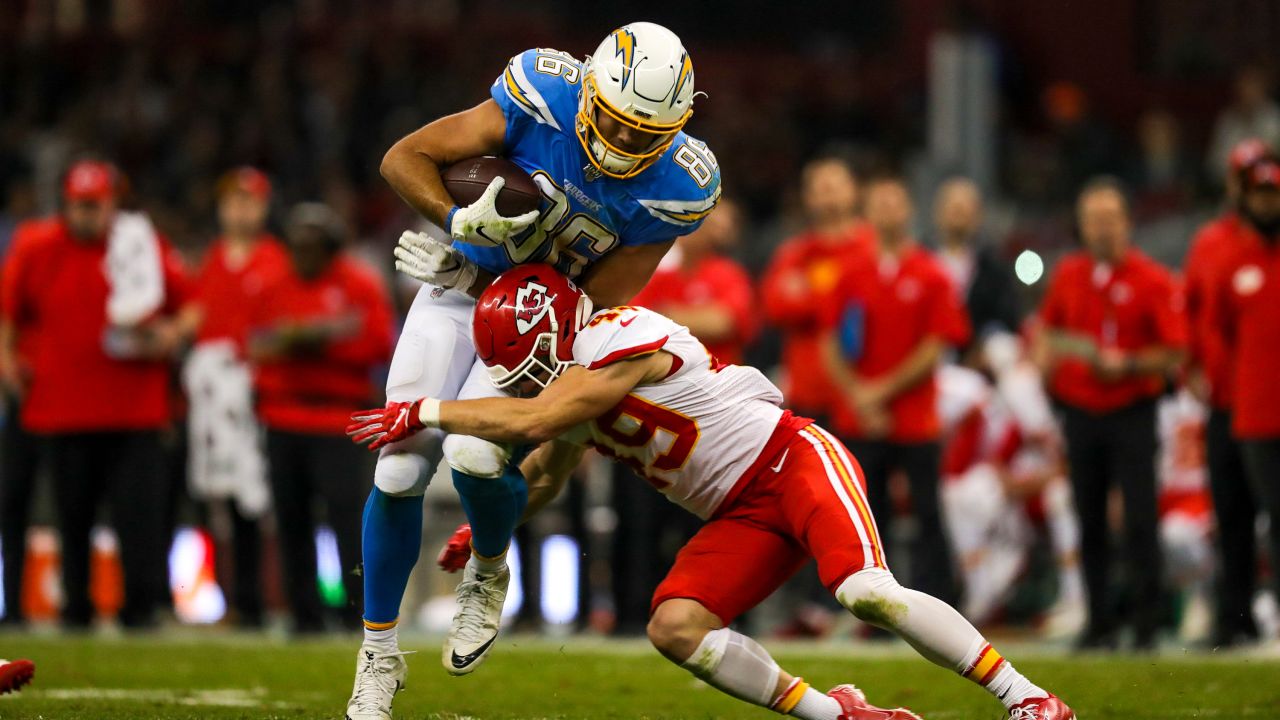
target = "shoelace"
x: 373, y: 681
x: 472, y: 619
x: 1024, y: 713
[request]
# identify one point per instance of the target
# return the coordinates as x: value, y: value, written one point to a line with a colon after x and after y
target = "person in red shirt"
x: 226, y: 466
x: 1113, y: 328
x: 91, y: 301
x: 1209, y: 379
x: 700, y: 288
x: 888, y: 325
x: 317, y: 333
x: 1245, y: 305
x: 19, y: 450
x: 803, y: 274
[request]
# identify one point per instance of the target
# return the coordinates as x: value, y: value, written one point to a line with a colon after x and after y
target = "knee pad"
x: 872, y: 596
x: 403, y: 474
x: 476, y: 457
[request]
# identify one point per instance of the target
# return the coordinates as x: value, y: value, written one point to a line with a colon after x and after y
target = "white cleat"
x: 476, y: 621
x: 379, y: 676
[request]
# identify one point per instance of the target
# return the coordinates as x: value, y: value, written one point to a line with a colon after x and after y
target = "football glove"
x: 422, y: 257
x: 455, y: 553
x: 383, y: 426
x: 480, y: 223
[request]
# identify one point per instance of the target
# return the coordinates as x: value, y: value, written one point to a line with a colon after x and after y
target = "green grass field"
x: 239, y: 677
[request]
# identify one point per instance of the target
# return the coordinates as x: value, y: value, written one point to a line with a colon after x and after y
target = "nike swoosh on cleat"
x: 461, y: 661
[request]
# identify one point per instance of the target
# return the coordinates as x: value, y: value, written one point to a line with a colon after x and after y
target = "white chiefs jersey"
x: 694, y: 434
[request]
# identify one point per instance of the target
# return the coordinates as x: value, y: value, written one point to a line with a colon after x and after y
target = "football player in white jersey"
x: 774, y: 488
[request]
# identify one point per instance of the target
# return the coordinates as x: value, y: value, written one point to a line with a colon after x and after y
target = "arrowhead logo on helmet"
x: 525, y: 324
x: 531, y: 306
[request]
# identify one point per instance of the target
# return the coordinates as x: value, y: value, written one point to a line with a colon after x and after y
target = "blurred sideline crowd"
x: 1093, y: 453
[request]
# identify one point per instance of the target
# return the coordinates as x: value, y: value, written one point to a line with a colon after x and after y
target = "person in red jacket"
x: 1209, y: 378
x: 92, y: 301
x: 888, y: 325
x: 225, y: 465
x: 1113, y: 330
x: 803, y: 274
x: 19, y: 450
x: 700, y: 288
x: 1245, y: 306
x: 317, y: 333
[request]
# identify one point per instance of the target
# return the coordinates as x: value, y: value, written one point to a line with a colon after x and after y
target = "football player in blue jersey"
x: 604, y: 141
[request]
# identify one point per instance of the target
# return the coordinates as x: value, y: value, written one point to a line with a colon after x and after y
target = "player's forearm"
x: 546, y: 470
x: 621, y: 274
x: 415, y: 176
x: 509, y: 420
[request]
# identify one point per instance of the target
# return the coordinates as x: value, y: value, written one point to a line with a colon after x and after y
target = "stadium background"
x: 313, y: 92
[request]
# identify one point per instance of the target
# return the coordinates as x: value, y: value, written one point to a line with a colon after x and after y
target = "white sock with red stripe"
x: 814, y: 705
x: 935, y: 630
x: 988, y: 668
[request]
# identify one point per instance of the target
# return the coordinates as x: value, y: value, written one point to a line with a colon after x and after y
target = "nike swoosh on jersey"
x: 628, y: 321
x: 778, y: 467
x: 461, y: 661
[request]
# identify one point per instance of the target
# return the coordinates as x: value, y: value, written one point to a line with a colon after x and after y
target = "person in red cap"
x: 1245, y: 307
x: 1113, y: 328
x: 90, y: 297
x: 316, y: 334
x: 1209, y: 378
x: 225, y: 463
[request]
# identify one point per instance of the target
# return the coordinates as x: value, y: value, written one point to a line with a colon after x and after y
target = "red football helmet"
x: 525, y: 324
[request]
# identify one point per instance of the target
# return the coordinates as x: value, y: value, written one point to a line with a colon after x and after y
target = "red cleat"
x: 853, y: 706
x: 14, y: 674
x: 1045, y: 708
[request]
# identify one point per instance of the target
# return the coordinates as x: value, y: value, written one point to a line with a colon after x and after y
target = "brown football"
x: 467, y: 179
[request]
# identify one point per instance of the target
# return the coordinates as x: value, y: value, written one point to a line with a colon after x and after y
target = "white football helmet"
x: 642, y: 77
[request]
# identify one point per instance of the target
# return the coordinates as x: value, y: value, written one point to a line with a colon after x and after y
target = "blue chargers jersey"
x: 586, y: 214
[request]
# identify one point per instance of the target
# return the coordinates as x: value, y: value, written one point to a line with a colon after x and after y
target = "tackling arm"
x: 546, y: 470
x: 575, y: 397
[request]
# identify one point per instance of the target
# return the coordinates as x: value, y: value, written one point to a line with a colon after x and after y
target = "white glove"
x: 480, y: 224
x: 421, y: 256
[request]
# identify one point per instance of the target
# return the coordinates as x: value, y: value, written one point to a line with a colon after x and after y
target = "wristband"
x: 448, y: 220
x: 429, y: 412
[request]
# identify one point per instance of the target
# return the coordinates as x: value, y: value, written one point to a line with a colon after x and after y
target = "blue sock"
x: 493, y: 507
x: 391, y: 538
